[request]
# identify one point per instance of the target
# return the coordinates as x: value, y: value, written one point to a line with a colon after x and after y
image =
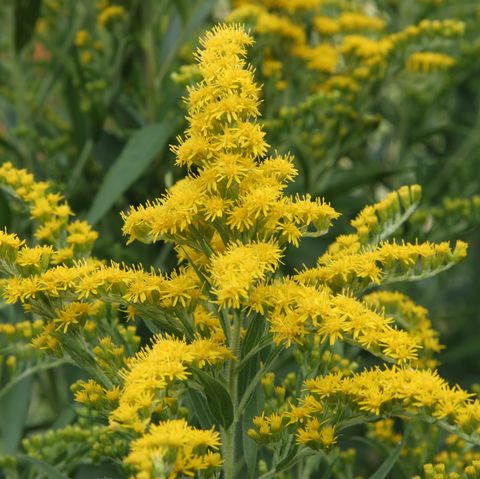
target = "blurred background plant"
x: 366, y: 95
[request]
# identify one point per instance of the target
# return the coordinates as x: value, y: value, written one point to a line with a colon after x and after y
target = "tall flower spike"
x: 234, y: 190
x: 221, y: 106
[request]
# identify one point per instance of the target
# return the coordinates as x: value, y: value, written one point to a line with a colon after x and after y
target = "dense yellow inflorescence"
x: 352, y: 40
x: 230, y: 221
x: 429, y: 61
x: 412, y: 317
x: 192, y: 451
x: 234, y: 203
x: 50, y: 214
x: 149, y: 374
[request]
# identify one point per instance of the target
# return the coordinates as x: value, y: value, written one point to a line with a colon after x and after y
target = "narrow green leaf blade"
x: 29, y: 372
x: 219, y: 400
x: 199, y: 406
x: 26, y: 16
x: 46, y: 469
x: 14, y: 407
x: 387, y: 465
x: 134, y: 159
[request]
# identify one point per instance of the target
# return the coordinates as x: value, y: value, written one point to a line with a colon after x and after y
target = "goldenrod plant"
x: 366, y: 96
x: 246, y: 371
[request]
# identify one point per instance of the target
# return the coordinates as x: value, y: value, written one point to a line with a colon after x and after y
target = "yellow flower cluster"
x: 16, y: 348
x: 74, y: 312
x: 81, y: 38
x: 458, y: 460
x: 108, y: 13
x: 269, y: 428
x: 315, y: 435
x: 352, y: 41
x: 19, y: 331
x: 448, y: 28
x: 208, y: 324
x: 9, y: 246
x: 86, y: 283
x: 173, y: 449
x: 295, y: 310
x: 383, y: 430
x: 50, y: 213
x: 149, y: 375
x: 440, y: 471
x: 91, y: 279
x: 388, y: 262
x: 347, y: 22
x: 395, y: 391
x: 239, y: 267
x: 429, y: 61
x: 230, y: 195
x: 412, y: 317
x: 90, y: 393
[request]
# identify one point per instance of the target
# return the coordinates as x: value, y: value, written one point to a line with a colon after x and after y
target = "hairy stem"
x: 228, y: 435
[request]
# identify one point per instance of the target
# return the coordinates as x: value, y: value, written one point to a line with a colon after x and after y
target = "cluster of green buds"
x: 81, y: 443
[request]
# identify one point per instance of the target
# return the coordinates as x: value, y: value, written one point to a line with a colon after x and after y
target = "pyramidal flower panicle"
x: 234, y: 193
x: 176, y: 407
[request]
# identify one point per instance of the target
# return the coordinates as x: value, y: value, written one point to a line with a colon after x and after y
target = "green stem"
x: 253, y: 383
x: 303, y: 454
x: 228, y: 435
x: 265, y: 342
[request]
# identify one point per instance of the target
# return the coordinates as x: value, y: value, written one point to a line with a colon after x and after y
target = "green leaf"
x: 197, y: 403
x: 179, y: 31
x: 46, y: 469
x: 160, y: 326
x: 29, y: 372
x: 248, y: 365
x: 26, y: 14
x: 218, y: 398
x: 134, y: 159
x: 14, y: 409
x: 254, y: 333
x: 5, y: 211
x: 387, y: 465
x: 289, y: 460
x: 259, y: 373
